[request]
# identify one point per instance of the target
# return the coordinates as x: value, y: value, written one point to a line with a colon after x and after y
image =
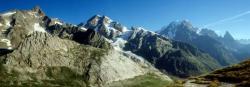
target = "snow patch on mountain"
x: 1, y: 24
x: 58, y: 22
x: 8, y: 43
x: 119, y: 43
x: 84, y: 29
x: 9, y: 13
x: 125, y: 29
x: 126, y: 34
x: 107, y: 20
x: 141, y: 28
x: 136, y: 56
x: 33, y: 14
x: 38, y: 28
x: 198, y: 31
x: 7, y: 23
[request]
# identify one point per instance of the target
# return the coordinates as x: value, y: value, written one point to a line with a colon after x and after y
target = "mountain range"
x: 226, y: 50
x: 37, y: 50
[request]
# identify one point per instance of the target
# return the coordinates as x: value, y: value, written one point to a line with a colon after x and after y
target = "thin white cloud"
x: 227, y: 19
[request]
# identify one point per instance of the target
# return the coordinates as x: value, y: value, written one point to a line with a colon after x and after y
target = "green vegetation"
x: 214, y: 83
x: 200, y: 81
x: 239, y: 74
x: 148, y: 80
x: 58, y: 76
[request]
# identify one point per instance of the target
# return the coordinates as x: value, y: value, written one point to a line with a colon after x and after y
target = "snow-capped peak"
x: 176, y: 26
x: 143, y: 29
x: 198, y: 31
x: 105, y: 26
x: 107, y: 20
x: 56, y: 21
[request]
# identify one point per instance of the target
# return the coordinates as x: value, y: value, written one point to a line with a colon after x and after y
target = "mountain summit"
x: 228, y: 36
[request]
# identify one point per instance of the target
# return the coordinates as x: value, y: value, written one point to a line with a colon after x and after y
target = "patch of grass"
x: 214, y: 83
x: 62, y: 73
x: 60, y: 77
x: 148, y: 80
x: 198, y: 80
x: 238, y: 74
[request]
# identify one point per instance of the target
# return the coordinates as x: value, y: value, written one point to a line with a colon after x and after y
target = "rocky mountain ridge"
x: 48, y: 52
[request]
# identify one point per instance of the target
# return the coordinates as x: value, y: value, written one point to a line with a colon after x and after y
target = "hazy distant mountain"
x: 205, y: 40
x: 244, y: 41
x: 210, y: 33
x: 239, y: 50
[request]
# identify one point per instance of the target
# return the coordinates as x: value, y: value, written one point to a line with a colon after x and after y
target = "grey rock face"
x: 41, y: 46
x: 16, y: 25
x: 209, y: 33
x: 47, y: 57
x: 91, y: 37
x: 105, y: 26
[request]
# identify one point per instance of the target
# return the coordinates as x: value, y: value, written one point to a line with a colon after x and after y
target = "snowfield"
x: 38, y: 28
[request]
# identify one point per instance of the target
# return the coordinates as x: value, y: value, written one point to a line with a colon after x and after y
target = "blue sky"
x: 219, y: 15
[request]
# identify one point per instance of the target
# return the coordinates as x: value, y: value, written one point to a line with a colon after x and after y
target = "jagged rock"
x: 229, y: 41
x: 18, y: 24
x: 209, y: 33
x: 63, y: 31
x: 105, y: 26
x: 38, y: 10
x: 89, y: 37
x: 92, y: 38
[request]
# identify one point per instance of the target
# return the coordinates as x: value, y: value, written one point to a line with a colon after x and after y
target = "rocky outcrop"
x: 91, y: 37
